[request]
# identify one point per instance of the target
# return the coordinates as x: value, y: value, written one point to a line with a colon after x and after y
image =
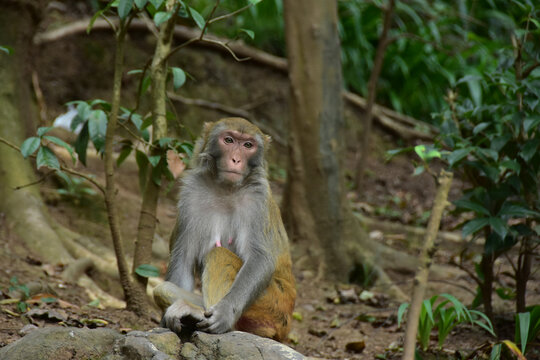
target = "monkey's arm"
x: 253, y: 277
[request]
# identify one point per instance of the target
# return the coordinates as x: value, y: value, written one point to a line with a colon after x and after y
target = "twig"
x: 226, y: 47
x: 39, y: 181
x: 222, y: 17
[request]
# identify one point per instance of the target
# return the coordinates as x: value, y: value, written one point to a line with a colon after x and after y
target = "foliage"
x: 527, y: 327
x: 444, y: 316
x: 75, y: 188
x: 491, y: 137
x: 433, y: 44
x: 22, y: 306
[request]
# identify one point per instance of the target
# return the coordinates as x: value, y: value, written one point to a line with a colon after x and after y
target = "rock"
x: 61, y: 343
x: 236, y: 345
x: 27, y: 329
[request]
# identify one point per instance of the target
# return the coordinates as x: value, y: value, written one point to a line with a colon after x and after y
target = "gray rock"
x: 237, y: 345
x: 61, y: 343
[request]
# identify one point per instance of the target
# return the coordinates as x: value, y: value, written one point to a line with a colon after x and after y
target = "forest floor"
x: 332, y: 321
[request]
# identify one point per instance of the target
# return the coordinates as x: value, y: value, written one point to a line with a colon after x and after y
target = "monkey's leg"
x: 220, y: 269
x: 183, y: 309
x: 270, y: 314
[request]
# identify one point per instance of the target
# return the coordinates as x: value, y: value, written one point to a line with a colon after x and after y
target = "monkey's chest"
x: 226, y: 227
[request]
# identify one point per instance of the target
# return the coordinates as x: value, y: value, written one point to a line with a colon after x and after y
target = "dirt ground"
x: 332, y: 321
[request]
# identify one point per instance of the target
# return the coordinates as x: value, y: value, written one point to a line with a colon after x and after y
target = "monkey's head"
x: 231, y: 149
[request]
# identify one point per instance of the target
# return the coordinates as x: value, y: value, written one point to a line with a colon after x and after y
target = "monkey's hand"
x: 181, y: 316
x: 220, y: 318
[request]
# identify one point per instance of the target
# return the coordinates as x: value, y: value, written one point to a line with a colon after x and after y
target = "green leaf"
x: 134, y: 72
x: 523, y: 321
x: 473, y: 226
x: 161, y: 17
x: 511, y: 165
x: 63, y: 144
x: 123, y: 155
x: 515, y: 210
x: 47, y: 158
x: 496, y: 352
x: 481, y: 127
x: 471, y: 205
x: 199, y: 20
x: 141, y: 3
x: 156, y: 3
x: 426, y: 153
x: 124, y: 8
x: 43, y: 130
x: 529, y: 149
x: 29, y: 146
x: 486, y: 324
x: 165, y: 142
x: 154, y: 160
x: 95, y: 17
x: 401, y: 311
x: 7, y: 49
x: 97, y: 128
x: 457, y: 155
x: 254, y: 2
x: 81, y: 144
x: 499, y: 226
x: 248, y: 32
x: 179, y: 77
x: 147, y: 270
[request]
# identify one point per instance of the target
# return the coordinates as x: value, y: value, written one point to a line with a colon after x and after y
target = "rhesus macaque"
x: 229, y: 231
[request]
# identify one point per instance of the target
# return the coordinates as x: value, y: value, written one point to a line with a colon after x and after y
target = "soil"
x: 333, y: 321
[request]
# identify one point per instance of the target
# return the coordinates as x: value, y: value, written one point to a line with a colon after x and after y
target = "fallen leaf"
x: 356, y: 346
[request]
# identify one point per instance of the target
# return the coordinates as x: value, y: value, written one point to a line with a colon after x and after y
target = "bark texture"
x: 314, y: 204
x: 24, y: 210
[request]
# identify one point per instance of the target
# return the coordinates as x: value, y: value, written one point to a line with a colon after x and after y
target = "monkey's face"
x: 238, y: 151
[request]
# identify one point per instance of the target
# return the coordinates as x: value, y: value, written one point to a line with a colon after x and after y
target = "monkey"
x: 230, y: 234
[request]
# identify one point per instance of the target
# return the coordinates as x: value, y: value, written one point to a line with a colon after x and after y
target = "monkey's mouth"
x: 232, y: 176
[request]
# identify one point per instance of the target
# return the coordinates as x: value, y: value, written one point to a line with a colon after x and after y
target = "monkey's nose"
x: 235, y: 161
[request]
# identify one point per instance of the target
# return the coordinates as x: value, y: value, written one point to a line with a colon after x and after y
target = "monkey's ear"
x: 206, y: 129
x: 267, y: 139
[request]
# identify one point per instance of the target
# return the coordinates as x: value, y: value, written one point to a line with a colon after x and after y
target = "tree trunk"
x: 147, y: 219
x: 314, y: 203
x: 24, y: 210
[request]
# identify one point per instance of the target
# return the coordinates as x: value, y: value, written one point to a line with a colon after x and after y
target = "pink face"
x: 236, y: 148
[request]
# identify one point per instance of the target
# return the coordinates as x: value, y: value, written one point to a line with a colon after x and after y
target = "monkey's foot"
x: 182, y: 317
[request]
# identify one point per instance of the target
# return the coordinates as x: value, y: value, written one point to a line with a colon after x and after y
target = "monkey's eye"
x: 248, y: 145
x: 229, y: 140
